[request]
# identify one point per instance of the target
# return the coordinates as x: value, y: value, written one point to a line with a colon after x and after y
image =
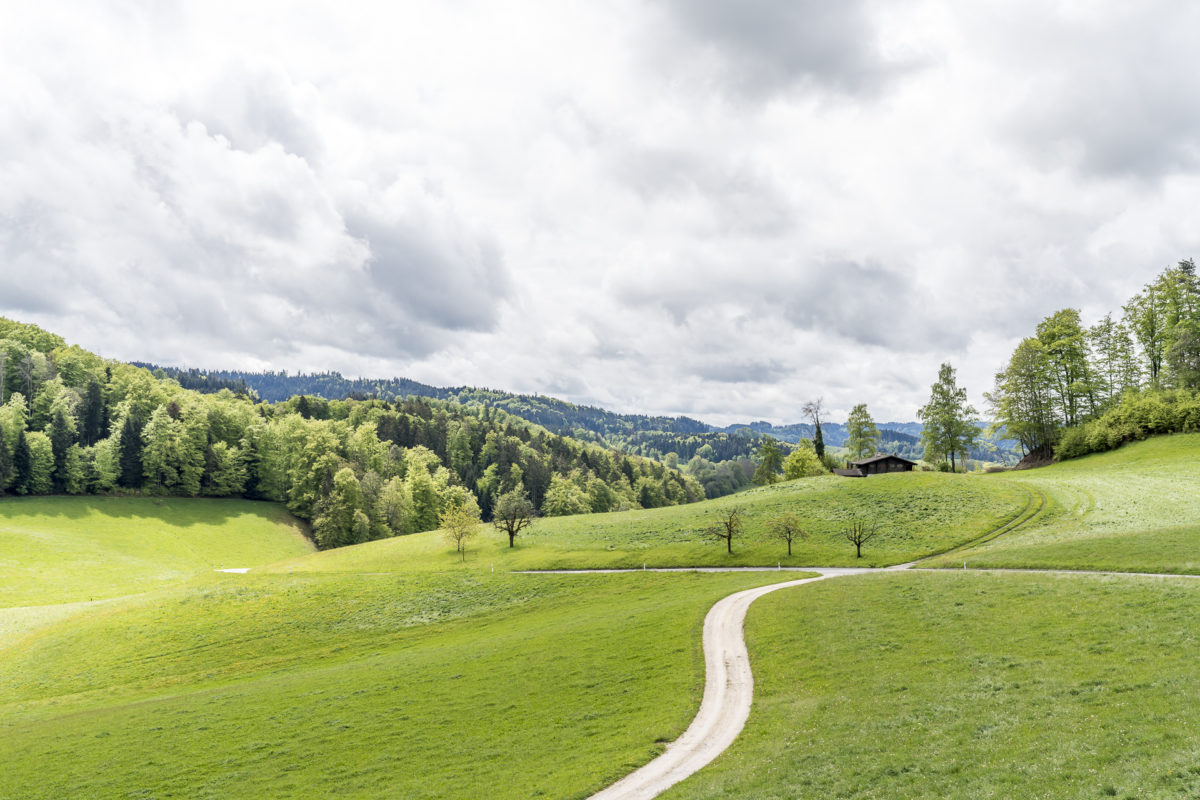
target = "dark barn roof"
x: 881, y: 457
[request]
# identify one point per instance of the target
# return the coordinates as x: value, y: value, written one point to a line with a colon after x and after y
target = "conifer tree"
x: 22, y: 465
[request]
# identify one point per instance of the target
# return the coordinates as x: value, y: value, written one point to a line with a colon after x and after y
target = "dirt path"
x: 729, y: 684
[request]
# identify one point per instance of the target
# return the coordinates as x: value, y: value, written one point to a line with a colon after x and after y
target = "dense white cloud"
x: 720, y: 209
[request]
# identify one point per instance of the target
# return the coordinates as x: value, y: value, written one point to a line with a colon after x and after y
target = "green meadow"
x: 130, y: 668
x: 419, y: 686
x: 1133, y: 509
x: 66, y: 549
x: 919, y: 513
x: 975, y: 685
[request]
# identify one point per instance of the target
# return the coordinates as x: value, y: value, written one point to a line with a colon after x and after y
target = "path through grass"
x: 976, y: 685
x: 427, y: 686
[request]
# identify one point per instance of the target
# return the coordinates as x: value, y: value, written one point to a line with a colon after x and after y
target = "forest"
x: 1071, y: 389
x: 72, y: 422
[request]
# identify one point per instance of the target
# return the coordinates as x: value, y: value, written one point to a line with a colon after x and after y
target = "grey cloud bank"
x: 718, y: 209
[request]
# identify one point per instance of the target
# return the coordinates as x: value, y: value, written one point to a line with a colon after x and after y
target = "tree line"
x: 71, y: 422
x: 1070, y: 388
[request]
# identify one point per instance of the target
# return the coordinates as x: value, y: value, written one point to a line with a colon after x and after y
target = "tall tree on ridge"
x: 813, y: 410
x: 948, y: 420
x: 862, y: 437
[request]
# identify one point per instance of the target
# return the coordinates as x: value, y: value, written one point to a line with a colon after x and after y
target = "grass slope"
x: 66, y: 549
x: 920, y: 513
x: 420, y: 686
x: 942, y: 684
x: 1132, y: 509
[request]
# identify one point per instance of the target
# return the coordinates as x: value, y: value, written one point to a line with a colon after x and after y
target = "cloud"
x: 767, y: 46
x: 654, y: 205
x: 231, y: 235
x: 1108, y: 90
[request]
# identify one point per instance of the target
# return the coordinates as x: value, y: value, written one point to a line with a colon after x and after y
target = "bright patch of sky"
x: 662, y: 206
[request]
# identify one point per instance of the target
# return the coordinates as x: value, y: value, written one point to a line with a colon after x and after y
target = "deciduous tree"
x: 770, y: 462
x: 460, y: 523
x: 729, y: 524
x: 512, y: 514
x: 948, y: 421
x: 787, y: 528
x: 862, y: 437
x: 858, y: 533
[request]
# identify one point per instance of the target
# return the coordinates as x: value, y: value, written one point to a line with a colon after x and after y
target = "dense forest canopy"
x: 73, y: 422
x: 726, y: 452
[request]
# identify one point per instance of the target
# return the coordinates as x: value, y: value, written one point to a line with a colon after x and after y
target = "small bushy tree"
x: 512, y: 514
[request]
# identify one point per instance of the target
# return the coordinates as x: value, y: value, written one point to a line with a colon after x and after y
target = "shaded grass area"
x: 919, y: 514
x: 422, y: 686
x: 68, y: 549
x: 972, y: 685
x: 1132, y: 509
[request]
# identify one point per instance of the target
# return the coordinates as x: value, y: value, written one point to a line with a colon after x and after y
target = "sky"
x: 719, y: 209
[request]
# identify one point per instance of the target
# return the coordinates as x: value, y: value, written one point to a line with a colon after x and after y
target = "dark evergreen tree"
x: 62, y: 436
x: 22, y: 465
x: 6, y: 462
x: 131, y: 453
x: 93, y: 416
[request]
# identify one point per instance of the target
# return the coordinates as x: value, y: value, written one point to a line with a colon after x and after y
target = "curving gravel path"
x: 729, y: 684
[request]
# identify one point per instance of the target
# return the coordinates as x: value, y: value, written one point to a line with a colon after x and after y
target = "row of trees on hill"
x: 1068, y: 373
x: 72, y: 422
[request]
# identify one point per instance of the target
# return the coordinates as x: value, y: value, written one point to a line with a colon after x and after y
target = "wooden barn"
x: 876, y: 465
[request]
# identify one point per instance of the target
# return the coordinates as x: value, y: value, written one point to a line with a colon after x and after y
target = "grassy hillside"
x: 446, y: 686
x: 65, y: 549
x: 969, y: 686
x: 919, y: 514
x: 1136, y: 508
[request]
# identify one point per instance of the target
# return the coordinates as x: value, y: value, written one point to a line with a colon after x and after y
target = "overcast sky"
x: 719, y: 209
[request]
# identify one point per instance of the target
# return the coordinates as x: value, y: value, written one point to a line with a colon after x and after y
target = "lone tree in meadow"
x: 859, y: 534
x: 729, y: 524
x: 513, y: 513
x: 948, y: 419
x: 460, y: 524
x: 787, y: 527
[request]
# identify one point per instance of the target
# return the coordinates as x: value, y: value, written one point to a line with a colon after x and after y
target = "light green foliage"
x: 426, y: 502
x: 102, y: 459
x: 1064, y: 343
x: 41, y: 463
x: 1115, y: 367
x: 949, y: 421
x: 565, y: 497
x: 225, y: 471
x: 803, y: 462
x: 66, y: 549
x: 459, y: 522
x: 967, y: 686
x: 336, y: 524
x: 12, y: 419
x: 74, y: 472
x: 862, y: 437
x: 396, y: 507
x: 770, y: 462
